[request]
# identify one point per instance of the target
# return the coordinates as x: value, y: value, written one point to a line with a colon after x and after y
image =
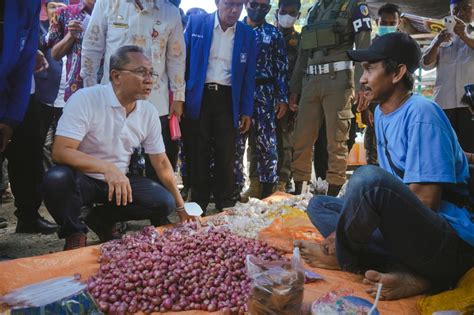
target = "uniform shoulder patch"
x: 364, y: 9
x: 360, y: 16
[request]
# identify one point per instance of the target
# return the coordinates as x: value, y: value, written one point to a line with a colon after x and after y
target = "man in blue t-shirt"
x: 409, y: 217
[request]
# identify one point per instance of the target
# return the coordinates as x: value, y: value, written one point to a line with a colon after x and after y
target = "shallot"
x: 185, y: 268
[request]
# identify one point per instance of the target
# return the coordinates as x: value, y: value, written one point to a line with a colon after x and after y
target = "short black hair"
x: 390, y: 8
x: 119, y: 58
x: 284, y: 3
x: 391, y: 66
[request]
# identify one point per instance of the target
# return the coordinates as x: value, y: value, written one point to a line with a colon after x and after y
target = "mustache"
x: 364, y: 88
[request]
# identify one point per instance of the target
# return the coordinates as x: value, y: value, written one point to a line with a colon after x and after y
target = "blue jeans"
x: 381, y: 224
x: 67, y: 190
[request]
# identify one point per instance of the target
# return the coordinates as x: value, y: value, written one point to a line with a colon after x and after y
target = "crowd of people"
x: 107, y: 77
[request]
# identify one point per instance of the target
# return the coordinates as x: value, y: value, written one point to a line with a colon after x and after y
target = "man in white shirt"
x: 453, y: 57
x: 95, y: 138
x: 154, y: 26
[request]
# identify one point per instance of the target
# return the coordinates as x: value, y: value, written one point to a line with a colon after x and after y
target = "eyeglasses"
x: 232, y: 5
x: 262, y: 6
x: 144, y: 73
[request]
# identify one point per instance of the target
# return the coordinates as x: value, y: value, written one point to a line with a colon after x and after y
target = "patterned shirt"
x: 272, y: 61
x: 154, y: 25
x: 57, y: 31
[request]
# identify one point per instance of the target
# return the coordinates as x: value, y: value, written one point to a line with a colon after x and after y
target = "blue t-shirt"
x: 423, y: 145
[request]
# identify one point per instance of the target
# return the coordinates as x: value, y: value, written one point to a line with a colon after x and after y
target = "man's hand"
x: 282, y: 108
x: 460, y: 27
x: 118, y: 184
x: 443, y: 37
x: 41, y: 63
x: 293, y: 102
x: 177, y: 109
x: 75, y: 28
x: 6, y: 133
x: 245, y: 122
x: 184, y: 217
x: 367, y: 117
x: 361, y: 102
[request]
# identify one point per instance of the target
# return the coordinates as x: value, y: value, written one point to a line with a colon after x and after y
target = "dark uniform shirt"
x: 292, y: 41
x: 353, y: 26
x: 272, y: 60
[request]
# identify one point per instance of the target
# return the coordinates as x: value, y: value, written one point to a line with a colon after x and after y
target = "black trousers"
x: 172, y: 150
x: 171, y: 146
x: 66, y: 190
x: 25, y: 158
x: 381, y: 224
x: 213, y: 130
x: 320, y: 154
x: 463, y: 125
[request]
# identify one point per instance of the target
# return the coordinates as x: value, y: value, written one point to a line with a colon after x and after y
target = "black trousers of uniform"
x: 25, y: 158
x: 213, y: 130
x: 463, y: 125
x: 172, y: 150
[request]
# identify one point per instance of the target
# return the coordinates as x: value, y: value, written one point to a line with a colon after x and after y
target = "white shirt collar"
x: 217, y: 24
x: 113, y: 101
x: 149, y: 5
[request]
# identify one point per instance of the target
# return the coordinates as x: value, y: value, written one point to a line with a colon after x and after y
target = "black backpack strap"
x: 397, y: 171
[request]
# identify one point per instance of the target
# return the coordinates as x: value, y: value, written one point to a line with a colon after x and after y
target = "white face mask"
x: 286, y: 21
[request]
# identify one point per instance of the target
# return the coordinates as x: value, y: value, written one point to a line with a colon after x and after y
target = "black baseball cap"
x: 397, y: 46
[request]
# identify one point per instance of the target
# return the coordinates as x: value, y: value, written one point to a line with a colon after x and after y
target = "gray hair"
x: 120, y: 58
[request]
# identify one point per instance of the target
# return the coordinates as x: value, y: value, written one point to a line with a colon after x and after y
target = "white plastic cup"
x: 193, y: 209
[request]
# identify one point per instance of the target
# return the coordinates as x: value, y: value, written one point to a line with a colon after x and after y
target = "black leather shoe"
x: 3, y: 223
x: 40, y: 225
x: 106, y: 231
x: 225, y: 204
x: 267, y: 190
x: 334, y: 190
x: 298, y: 188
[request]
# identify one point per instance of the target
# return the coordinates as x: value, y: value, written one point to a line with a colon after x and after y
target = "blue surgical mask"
x: 383, y: 30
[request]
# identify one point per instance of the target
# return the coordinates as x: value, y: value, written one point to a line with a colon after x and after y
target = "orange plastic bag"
x: 281, y: 234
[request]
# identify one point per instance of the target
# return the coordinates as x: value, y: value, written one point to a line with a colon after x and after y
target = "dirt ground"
x: 13, y: 245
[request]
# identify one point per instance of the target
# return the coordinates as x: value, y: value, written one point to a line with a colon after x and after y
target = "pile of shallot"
x: 185, y: 268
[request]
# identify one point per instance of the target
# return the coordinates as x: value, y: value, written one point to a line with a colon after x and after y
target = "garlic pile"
x: 247, y: 219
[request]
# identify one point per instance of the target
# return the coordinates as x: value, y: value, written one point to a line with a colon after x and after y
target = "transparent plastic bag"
x: 43, y: 293
x: 277, y: 287
x: 58, y: 296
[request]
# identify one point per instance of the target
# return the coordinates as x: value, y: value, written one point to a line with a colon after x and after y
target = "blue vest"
x: 198, y: 37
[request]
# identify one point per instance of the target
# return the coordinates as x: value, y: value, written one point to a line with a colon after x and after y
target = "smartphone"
x: 449, y: 22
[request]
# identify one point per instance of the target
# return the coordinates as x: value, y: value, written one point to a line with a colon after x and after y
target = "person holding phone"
x: 65, y: 37
x: 452, y: 54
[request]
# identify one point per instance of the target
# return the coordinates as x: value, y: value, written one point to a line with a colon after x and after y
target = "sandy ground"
x: 14, y: 245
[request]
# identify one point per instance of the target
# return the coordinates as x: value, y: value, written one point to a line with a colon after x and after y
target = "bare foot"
x: 396, y: 285
x: 329, y: 244
x: 315, y: 256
